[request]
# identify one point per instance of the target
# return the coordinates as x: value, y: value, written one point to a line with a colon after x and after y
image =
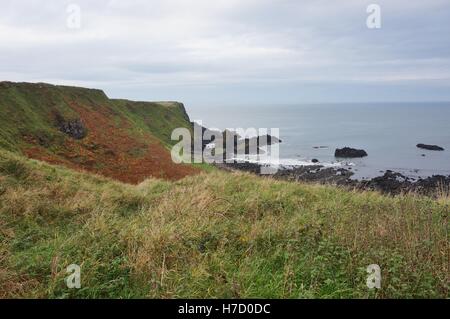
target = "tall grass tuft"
x: 215, y: 235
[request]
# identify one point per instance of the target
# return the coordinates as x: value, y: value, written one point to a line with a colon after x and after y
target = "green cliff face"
x: 82, y: 128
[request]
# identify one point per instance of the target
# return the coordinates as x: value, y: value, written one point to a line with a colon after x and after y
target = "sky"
x: 221, y: 52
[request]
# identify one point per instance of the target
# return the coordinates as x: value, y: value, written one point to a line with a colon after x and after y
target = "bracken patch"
x: 113, y: 151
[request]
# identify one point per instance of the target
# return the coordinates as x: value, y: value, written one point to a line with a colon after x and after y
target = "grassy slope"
x: 212, y: 235
x: 26, y: 108
x: 125, y: 140
x: 160, y: 118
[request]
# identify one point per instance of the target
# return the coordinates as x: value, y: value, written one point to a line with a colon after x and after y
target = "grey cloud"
x: 236, y: 47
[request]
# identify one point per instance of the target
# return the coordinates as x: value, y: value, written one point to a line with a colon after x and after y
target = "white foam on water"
x: 286, y: 162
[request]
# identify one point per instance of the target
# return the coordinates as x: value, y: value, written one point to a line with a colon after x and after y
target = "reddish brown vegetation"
x: 113, y: 150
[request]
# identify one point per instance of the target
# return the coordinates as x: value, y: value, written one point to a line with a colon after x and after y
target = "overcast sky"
x: 218, y: 52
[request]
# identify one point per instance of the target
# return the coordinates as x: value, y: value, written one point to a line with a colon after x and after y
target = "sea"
x: 389, y: 132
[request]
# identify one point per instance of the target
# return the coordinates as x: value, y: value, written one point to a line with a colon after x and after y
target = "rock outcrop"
x: 74, y: 128
x: 430, y: 147
x: 348, y: 152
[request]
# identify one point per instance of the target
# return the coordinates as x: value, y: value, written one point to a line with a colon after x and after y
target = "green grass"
x: 213, y: 235
x: 29, y: 109
x: 160, y: 118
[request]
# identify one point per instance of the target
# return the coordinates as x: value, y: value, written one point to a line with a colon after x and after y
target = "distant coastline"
x: 388, y: 132
x: 320, y: 165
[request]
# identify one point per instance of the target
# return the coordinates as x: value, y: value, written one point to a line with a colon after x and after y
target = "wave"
x: 288, y: 162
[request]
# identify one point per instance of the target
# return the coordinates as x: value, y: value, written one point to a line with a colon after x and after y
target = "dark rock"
x: 205, y: 131
x: 73, y: 128
x: 261, y: 140
x: 269, y: 139
x: 315, y: 173
x: 395, y: 183
x: 349, y: 152
x: 240, y: 145
x: 390, y: 183
x: 315, y: 160
x: 430, y: 147
x: 431, y: 185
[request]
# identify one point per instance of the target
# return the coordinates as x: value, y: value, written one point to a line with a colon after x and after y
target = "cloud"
x: 154, y: 48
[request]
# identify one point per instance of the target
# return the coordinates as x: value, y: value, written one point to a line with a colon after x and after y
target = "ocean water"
x: 388, y: 132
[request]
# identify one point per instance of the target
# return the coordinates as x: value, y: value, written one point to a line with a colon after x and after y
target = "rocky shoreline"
x: 390, y: 183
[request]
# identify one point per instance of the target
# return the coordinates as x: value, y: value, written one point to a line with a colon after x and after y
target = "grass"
x: 30, y: 108
x: 159, y: 118
x: 214, y: 235
x: 125, y: 140
x: 211, y: 235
